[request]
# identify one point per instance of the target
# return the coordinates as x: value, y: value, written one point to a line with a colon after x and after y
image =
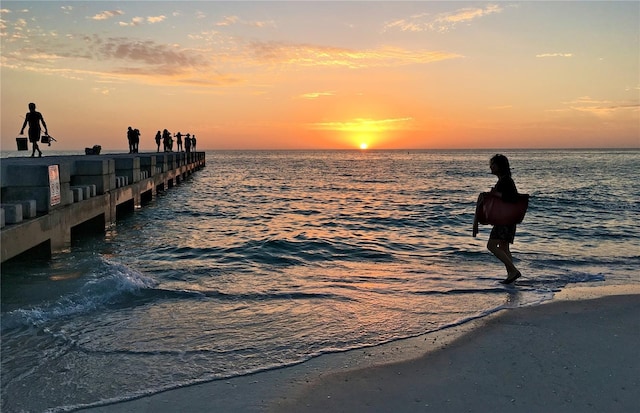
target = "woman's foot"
x: 512, y: 277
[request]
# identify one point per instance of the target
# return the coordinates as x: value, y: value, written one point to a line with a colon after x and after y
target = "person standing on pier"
x: 166, y: 140
x: 158, y: 139
x: 34, y: 118
x: 136, y: 140
x: 187, y: 143
x: 179, y: 141
x: 130, y: 138
x: 193, y: 143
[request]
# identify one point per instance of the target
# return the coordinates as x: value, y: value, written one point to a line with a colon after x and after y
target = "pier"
x: 46, y: 202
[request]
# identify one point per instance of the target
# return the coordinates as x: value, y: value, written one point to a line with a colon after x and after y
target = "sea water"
x: 265, y: 259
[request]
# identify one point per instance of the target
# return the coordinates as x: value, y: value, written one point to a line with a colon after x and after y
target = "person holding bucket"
x: 33, y: 118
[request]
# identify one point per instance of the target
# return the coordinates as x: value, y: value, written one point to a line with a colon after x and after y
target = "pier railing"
x: 45, y: 201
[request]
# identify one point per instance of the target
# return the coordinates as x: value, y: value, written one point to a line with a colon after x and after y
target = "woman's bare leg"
x: 500, y: 249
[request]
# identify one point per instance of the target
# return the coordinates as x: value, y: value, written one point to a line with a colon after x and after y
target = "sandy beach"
x: 577, y: 353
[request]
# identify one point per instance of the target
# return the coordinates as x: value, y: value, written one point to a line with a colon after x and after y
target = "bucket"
x: 22, y: 143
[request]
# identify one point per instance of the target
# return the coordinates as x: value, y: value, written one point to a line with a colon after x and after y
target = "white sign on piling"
x: 54, y: 184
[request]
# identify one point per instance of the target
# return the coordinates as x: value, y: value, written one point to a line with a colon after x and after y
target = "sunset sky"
x: 325, y: 74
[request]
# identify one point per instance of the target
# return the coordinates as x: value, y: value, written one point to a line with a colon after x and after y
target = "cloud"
x: 364, y: 125
x: 555, y: 55
x: 233, y: 20
x: 468, y: 14
x: 44, y: 57
x: 155, y: 19
x: 315, y: 95
x: 601, y: 108
x: 102, y: 91
x: 227, y: 21
x: 147, y: 52
x: 108, y: 14
x: 317, y: 56
x: 136, y: 21
x: 442, y: 22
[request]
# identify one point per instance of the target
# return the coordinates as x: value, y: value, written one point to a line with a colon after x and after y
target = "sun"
x: 363, y: 145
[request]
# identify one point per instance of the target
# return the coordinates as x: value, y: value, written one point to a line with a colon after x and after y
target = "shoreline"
x: 421, y: 372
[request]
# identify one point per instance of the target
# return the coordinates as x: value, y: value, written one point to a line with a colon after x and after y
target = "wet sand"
x: 575, y: 354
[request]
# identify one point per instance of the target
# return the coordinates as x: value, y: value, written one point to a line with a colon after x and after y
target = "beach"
x: 577, y: 353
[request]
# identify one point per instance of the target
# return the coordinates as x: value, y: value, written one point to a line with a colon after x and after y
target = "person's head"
x: 499, y: 165
x: 32, y: 106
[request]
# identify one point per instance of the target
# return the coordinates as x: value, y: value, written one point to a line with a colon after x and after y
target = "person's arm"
x: 46, y: 132
x: 24, y: 125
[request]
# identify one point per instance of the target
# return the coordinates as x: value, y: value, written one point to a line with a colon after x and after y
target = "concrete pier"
x: 45, y: 201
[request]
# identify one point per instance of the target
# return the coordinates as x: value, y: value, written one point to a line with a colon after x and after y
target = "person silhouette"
x: 158, y: 139
x: 136, y: 140
x: 502, y: 235
x: 187, y: 143
x: 166, y: 140
x: 34, y: 119
x: 130, y: 138
x: 179, y: 142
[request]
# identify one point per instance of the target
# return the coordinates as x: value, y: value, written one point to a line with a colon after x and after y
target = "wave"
x: 299, y: 251
x: 110, y: 283
x: 115, y: 285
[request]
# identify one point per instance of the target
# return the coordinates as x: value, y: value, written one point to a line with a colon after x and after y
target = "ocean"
x: 266, y: 259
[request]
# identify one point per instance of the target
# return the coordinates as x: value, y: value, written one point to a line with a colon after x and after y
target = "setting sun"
x: 363, y: 145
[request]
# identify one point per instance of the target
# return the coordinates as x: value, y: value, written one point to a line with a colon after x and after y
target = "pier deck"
x: 44, y: 201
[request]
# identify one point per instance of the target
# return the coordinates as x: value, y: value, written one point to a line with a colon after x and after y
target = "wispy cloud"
x: 156, y: 19
x: 327, y: 56
x: 233, y: 20
x: 227, y: 21
x: 441, y: 22
x: 136, y: 21
x: 600, y: 108
x: 364, y: 125
x: 147, y: 52
x: 217, y: 59
x: 117, y: 59
x: 108, y: 14
x: 316, y: 95
x: 555, y: 55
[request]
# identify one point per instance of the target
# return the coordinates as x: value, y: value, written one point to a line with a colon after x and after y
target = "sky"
x: 325, y: 74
